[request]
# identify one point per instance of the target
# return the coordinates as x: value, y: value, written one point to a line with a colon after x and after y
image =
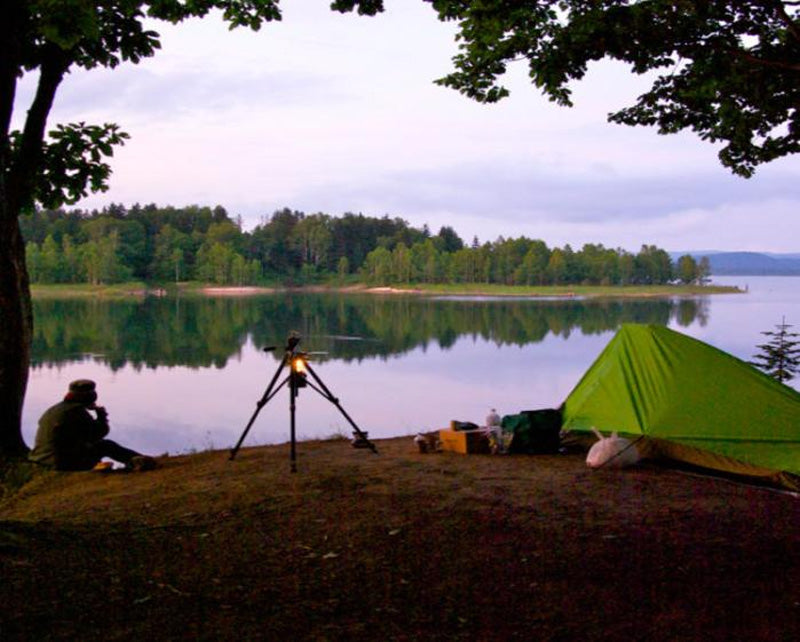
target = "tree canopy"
x: 728, y: 70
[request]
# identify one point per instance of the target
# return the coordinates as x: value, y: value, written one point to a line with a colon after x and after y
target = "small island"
x: 120, y: 251
x: 138, y: 289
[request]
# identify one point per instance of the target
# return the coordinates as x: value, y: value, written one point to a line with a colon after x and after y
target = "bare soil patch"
x: 397, y: 546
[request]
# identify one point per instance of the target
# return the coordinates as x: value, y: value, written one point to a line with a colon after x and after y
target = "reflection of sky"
x: 737, y: 320
x: 179, y: 409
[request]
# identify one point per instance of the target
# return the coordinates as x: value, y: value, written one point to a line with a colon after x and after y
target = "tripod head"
x: 292, y: 341
x: 290, y: 349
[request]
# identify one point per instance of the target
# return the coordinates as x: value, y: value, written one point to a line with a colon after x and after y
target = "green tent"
x: 691, y: 402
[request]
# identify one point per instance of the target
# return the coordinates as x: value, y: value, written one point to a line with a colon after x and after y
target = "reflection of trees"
x: 691, y: 310
x: 149, y: 333
x: 203, y: 332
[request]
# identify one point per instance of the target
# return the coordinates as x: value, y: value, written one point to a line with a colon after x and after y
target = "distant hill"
x: 748, y: 263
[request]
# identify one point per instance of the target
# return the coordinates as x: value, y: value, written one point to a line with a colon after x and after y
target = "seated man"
x: 70, y: 438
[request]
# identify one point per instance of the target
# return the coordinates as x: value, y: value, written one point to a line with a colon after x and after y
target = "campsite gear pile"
x: 661, y: 394
x: 531, y: 431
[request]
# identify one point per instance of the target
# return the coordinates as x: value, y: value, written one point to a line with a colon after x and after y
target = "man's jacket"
x: 65, y: 435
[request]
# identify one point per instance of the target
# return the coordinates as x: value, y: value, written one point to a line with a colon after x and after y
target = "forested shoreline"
x: 198, y: 243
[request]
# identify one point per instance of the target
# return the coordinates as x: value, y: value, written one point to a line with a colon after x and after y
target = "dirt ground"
x: 397, y: 546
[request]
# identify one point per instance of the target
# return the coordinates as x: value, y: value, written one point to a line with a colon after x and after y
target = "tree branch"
x: 22, y: 173
x: 10, y: 55
x: 777, y: 64
x: 791, y: 25
x: 10, y: 47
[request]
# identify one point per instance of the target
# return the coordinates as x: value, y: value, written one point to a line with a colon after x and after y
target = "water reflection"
x: 184, y: 374
x: 203, y: 332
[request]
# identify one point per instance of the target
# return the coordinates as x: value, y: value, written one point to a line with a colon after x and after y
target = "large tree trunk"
x: 16, y: 317
x: 19, y: 168
x: 16, y: 329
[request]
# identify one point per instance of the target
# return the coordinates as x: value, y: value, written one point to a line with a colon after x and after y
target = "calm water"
x: 185, y: 374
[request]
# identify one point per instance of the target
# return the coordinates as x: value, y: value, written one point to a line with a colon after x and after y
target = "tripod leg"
x: 268, y: 394
x: 292, y: 406
x: 329, y: 396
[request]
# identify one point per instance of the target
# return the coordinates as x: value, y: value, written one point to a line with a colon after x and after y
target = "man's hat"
x: 83, y: 391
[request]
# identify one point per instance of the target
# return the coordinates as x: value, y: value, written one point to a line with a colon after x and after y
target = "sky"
x: 334, y: 113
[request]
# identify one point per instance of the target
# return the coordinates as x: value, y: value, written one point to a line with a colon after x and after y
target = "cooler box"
x: 466, y: 442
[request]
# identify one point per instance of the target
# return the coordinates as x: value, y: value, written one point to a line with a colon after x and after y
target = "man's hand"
x: 102, y: 413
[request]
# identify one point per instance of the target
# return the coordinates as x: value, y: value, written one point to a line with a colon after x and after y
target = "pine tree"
x: 780, y: 356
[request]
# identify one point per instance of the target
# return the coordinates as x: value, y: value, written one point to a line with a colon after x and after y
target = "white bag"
x: 613, y: 451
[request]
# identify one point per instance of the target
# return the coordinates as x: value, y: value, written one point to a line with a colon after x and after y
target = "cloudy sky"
x: 332, y: 113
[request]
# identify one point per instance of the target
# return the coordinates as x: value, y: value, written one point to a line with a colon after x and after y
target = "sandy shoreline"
x: 497, y: 292
x: 237, y: 291
x: 388, y: 290
x: 251, y: 290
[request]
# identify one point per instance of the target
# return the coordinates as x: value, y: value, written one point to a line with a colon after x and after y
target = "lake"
x: 184, y: 374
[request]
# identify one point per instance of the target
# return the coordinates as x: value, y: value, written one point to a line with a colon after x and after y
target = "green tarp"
x: 692, y: 402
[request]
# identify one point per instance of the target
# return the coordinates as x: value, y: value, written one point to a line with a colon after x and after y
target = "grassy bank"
x: 588, y: 291
x: 397, y: 546
x: 84, y: 290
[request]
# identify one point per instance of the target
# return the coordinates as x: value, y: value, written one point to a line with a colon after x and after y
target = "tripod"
x: 299, y: 369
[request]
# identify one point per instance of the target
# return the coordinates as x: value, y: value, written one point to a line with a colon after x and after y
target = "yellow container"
x: 466, y: 442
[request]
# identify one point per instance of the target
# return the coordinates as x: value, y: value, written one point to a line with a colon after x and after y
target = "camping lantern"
x: 299, y: 371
